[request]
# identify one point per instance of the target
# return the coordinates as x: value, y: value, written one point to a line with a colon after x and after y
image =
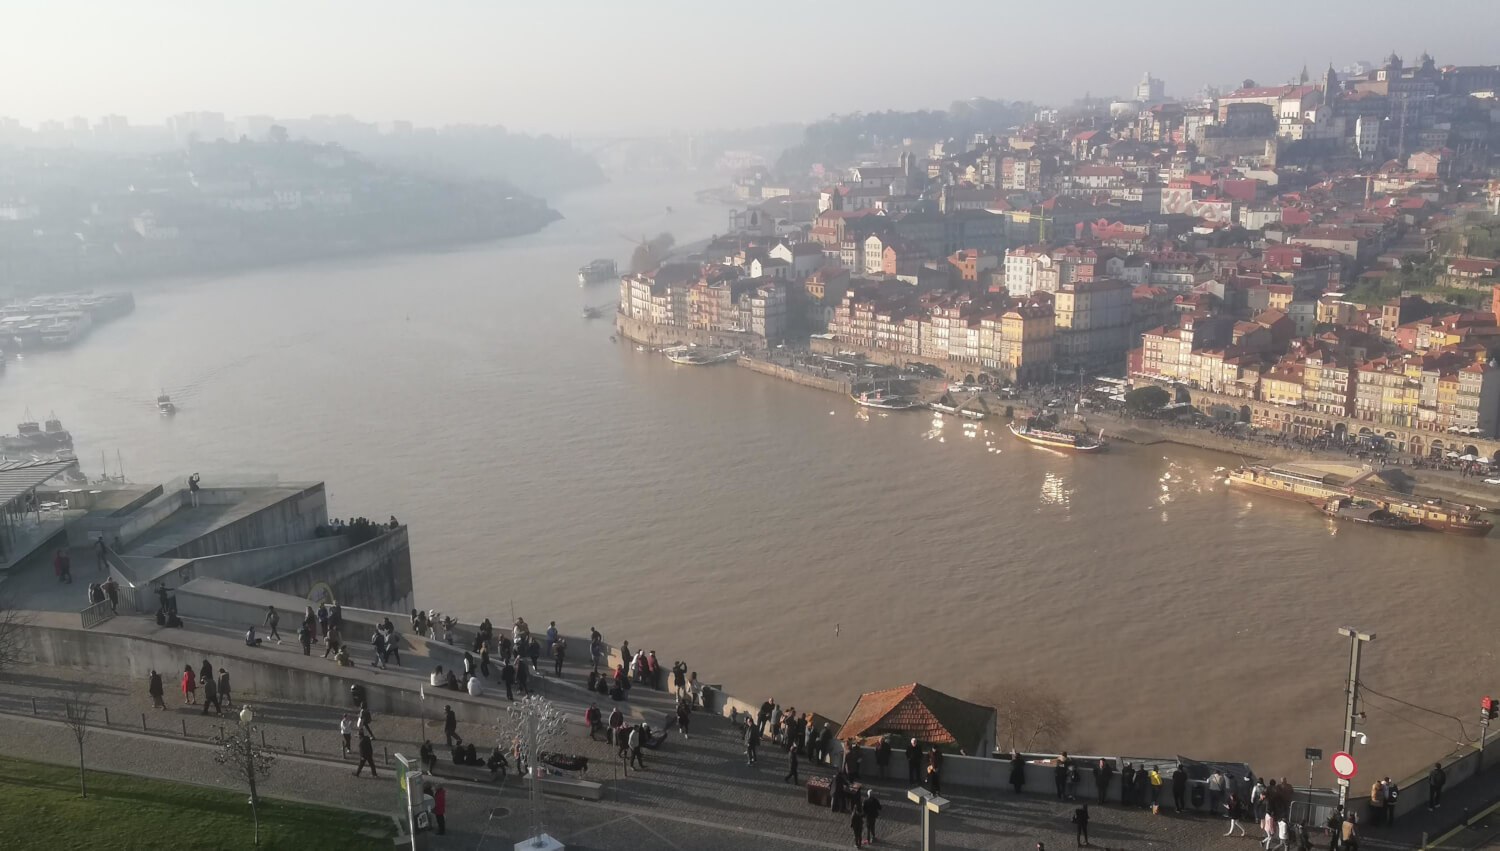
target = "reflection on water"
x: 1055, y: 490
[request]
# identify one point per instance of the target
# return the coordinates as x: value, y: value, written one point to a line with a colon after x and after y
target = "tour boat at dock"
x: 1052, y: 439
x: 1366, y: 512
x: 878, y: 399
x: 1312, y: 486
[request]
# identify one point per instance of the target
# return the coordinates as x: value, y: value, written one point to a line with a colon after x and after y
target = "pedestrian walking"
x: 224, y: 686
x: 523, y: 676
x: 272, y: 619
x: 752, y: 740
x: 346, y: 730
x: 1216, y: 786
x: 450, y: 727
x: 440, y: 809
x: 211, y: 695
x: 684, y: 715
x: 101, y: 552
x: 377, y: 644
x: 857, y: 824
x: 1179, y: 788
x: 322, y: 618
x: 1234, y: 810
x: 1081, y: 822
x: 62, y: 565
x: 304, y: 636
x: 508, y: 676
x: 1435, y: 780
x: 189, y: 685
x: 1268, y: 827
x: 872, y: 809
x: 791, y: 770
x: 559, y: 652
x: 154, y: 688
x: 593, y: 720
x: 634, y: 742
x: 362, y: 723
x: 1392, y: 793
x: 366, y: 755
x: 112, y: 594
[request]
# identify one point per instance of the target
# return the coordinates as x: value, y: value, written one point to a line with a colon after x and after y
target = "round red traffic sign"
x: 1343, y: 765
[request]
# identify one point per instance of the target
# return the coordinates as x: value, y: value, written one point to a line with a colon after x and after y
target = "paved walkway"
x: 694, y: 794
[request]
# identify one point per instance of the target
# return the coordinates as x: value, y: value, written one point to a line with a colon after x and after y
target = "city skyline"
x: 628, y: 71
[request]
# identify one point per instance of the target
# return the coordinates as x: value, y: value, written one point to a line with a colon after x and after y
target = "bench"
x: 570, y: 787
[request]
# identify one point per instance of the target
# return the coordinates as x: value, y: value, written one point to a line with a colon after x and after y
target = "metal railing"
x: 96, y: 614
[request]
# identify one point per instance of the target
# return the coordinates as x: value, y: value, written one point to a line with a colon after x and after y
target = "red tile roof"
x: 926, y: 714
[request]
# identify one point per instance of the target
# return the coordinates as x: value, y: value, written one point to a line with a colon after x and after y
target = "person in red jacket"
x: 440, y: 806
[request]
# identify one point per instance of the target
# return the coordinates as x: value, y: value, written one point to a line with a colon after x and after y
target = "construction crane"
x: 1026, y: 217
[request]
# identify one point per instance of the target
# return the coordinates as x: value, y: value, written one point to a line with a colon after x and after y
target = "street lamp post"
x: 1357, y: 640
x: 247, y: 717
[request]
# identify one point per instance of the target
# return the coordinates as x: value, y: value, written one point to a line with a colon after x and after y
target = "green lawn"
x: 42, y: 810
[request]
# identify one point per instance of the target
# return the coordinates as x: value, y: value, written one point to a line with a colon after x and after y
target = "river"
x: 768, y: 534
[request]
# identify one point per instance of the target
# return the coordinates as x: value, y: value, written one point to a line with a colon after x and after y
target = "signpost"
x: 1343, y: 765
x: 408, y: 777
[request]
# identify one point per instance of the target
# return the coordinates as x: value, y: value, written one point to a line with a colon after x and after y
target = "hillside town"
x: 1314, y: 257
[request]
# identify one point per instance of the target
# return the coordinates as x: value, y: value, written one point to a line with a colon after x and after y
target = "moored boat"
x: 1305, y: 484
x: 1366, y: 512
x: 884, y: 401
x: 1054, y: 439
x: 597, y: 272
x: 31, y: 436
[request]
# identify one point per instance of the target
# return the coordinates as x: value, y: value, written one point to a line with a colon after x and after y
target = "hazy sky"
x: 591, y: 66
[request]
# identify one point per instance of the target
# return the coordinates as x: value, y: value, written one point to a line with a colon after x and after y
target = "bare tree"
x: 1028, y: 714
x: 78, y: 706
x: 242, y: 758
x: 12, y: 622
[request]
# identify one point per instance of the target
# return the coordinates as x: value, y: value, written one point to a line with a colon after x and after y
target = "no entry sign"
x: 1343, y: 764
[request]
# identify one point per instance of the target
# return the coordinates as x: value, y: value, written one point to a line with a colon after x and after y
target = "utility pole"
x: 1351, y: 696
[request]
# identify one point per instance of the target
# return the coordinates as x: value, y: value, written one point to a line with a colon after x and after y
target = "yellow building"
x: 1026, y: 340
x: 1283, y: 385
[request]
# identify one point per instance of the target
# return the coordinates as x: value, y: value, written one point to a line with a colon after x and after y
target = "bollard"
x: 304, y: 744
x: 143, y: 722
x: 387, y: 751
x: 221, y: 732
x: 263, y: 737
x: 106, y: 716
x: 184, y: 728
x: 33, y: 706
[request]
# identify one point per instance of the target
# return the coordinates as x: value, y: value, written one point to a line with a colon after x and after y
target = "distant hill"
x: 81, y: 217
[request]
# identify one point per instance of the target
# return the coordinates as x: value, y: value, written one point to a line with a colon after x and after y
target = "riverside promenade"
x: 695, y: 793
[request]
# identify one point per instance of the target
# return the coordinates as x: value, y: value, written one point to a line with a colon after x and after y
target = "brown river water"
x: 770, y: 535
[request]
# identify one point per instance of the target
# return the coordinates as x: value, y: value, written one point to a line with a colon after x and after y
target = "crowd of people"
x: 357, y: 529
x: 216, y: 691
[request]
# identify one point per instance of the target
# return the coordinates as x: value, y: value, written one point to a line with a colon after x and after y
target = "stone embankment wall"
x: 834, y: 385
x: 820, y: 346
x: 649, y: 334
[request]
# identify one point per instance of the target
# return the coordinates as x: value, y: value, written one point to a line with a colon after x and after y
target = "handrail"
x: 96, y: 614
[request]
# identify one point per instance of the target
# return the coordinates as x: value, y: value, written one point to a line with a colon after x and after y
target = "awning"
x: 18, y: 478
